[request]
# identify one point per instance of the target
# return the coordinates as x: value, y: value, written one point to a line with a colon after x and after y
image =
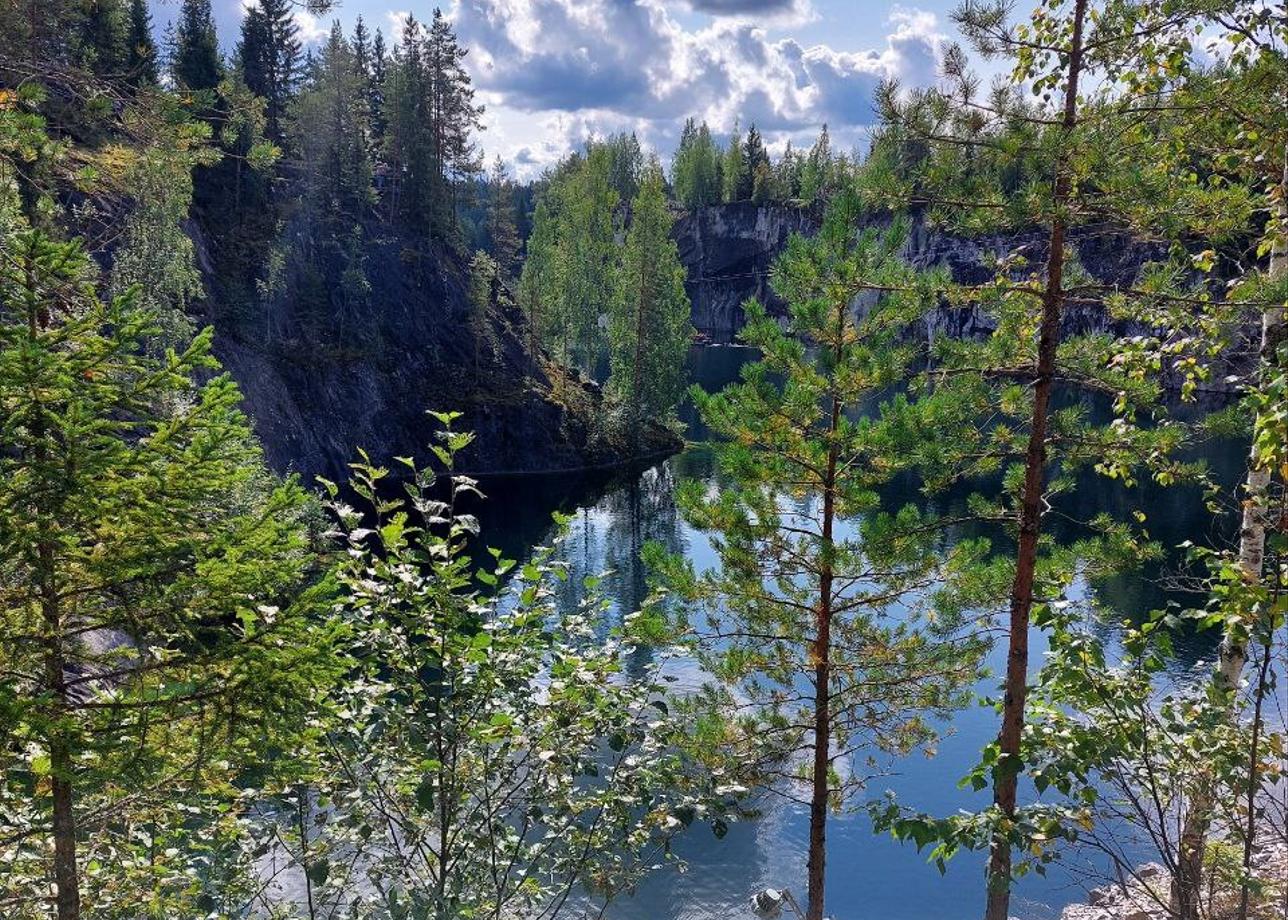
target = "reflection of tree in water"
x: 643, y: 513
x: 609, y: 536
x: 615, y: 515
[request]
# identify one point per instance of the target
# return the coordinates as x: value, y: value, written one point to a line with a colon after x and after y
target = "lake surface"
x: 868, y: 876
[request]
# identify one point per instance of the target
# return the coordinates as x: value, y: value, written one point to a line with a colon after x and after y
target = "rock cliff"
x: 728, y: 251
x: 318, y: 393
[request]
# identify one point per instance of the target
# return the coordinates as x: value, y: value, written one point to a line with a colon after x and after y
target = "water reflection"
x: 615, y: 515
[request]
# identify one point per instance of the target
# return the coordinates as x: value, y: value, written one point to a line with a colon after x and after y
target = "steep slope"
x: 318, y: 393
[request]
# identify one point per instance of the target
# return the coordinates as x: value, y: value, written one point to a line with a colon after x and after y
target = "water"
x: 868, y: 876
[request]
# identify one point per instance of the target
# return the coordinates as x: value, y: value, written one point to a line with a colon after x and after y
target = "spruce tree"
x: 328, y: 130
x: 149, y: 648
x: 816, y: 172
x: 376, y: 93
x: 756, y: 160
x: 269, y: 57
x: 788, y: 173
x: 141, y: 60
x: 196, y: 63
x: 734, y: 174
x: 361, y: 43
x: 649, y: 329
x: 105, y: 31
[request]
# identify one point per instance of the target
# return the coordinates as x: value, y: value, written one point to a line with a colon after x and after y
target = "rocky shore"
x: 1144, y: 896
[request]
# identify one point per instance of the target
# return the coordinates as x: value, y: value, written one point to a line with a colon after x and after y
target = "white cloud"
x: 312, y: 28
x: 554, y: 72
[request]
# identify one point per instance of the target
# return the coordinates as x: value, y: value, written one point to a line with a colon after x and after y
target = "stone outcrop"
x: 727, y: 251
x: 1144, y: 895
x: 318, y: 395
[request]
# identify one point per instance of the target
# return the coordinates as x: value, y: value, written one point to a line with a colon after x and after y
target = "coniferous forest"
x: 883, y: 517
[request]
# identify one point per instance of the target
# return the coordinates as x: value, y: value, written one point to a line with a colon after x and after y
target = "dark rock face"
x: 727, y: 251
x: 317, y: 397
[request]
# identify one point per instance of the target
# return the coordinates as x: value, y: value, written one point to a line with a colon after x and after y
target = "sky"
x: 552, y: 73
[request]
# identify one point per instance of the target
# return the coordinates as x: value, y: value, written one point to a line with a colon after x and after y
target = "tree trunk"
x: 1007, y: 772
x: 641, y: 310
x: 1188, y: 884
x: 66, y: 877
x: 822, y: 653
x: 63, y: 826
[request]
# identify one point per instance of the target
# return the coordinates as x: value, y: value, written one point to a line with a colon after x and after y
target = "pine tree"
x: 455, y: 117
x: 431, y: 120
x: 408, y: 139
x: 36, y: 32
x: 819, y: 663
x: 959, y: 156
x: 649, y: 328
x: 141, y: 61
x: 195, y: 62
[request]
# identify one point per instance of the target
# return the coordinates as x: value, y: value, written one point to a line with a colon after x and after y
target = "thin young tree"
x: 821, y: 658
x: 519, y: 771
x: 1238, y: 121
x: 649, y: 331
x: 147, y: 571
x: 503, y: 234
x: 1077, y: 159
x: 735, y: 178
